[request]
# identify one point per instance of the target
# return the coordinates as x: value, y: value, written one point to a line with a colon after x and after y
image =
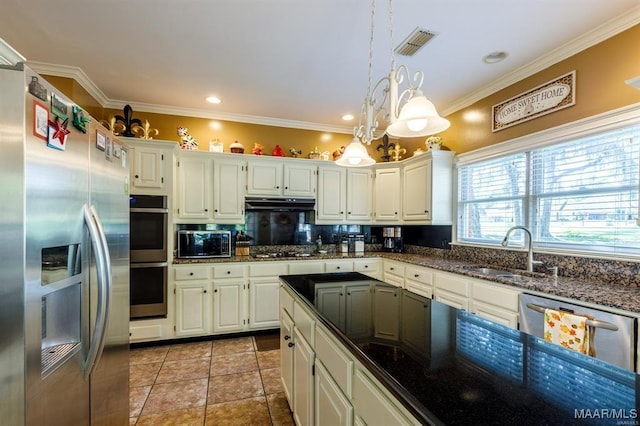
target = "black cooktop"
x: 451, y: 367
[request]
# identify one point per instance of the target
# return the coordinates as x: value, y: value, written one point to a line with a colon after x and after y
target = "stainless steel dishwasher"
x: 614, y: 338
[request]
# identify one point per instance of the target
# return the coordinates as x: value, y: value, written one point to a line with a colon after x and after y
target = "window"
x: 580, y: 195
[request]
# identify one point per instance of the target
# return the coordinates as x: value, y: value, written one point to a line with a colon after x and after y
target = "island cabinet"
x: 210, y: 189
x: 275, y: 178
x: 427, y: 189
x: 337, y: 390
x: 344, y: 195
x: 297, y: 358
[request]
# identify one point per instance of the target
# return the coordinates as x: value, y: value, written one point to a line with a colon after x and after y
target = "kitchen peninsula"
x: 384, y: 355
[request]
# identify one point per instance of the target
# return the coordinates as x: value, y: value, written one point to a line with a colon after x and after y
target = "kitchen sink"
x: 491, y: 272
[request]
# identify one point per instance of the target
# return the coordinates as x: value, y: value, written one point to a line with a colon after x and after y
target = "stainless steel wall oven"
x: 148, y: 270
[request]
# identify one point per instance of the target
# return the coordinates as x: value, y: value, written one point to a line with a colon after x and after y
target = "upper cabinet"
x: 274, y: 178
x: 210, y: 188
x: 388, y: 191
x: 427, y: 185
x: 151, y: 165
x: 344, y: 195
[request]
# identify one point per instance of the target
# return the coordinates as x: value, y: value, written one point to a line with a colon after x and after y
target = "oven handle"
x: 148, y: 265
x: 590, y: 323
x: 103, y: 272
x: 150, y: 210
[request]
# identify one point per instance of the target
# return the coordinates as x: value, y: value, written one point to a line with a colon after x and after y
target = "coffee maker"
x: 392, y: 239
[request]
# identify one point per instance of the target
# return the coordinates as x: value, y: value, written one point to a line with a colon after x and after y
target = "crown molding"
x: 589, y: 39
x: 79, y: 76
x: 9, y: 55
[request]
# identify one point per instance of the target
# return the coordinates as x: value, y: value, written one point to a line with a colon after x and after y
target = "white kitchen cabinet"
x: 194, y: 187
x: 286, y: 353
x: 263, y: 302
x: 332, y: 408
x: 452, y: 289
x: 229, y: 302
x: 193, y: 308
x: 303, y: 383
x: 150, y: 166
x: 331, y: 202
x: 386, y: 313
x: 338, y: 265
x: 228, y: 191
x: 387, y: 195
x: 273, y: 178
x: 495, y: 302
x: 427, y: 185
x: 393, y: 272
x: 359, y: 195
x: 300, y: 180
x: 369, y: 267
x: 306, y: 267
x: 419, y: 280
x: 371, y: 404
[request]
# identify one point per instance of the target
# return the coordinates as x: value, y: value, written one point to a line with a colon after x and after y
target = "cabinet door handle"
x: 191, y: 273
x: 206, y: 210
x: 366, y: 266
x: 286, y: 187
x: 392, y: 269
x: 287, y: 337
x: 416, y: 275
x: 228, y: 272
x: 348, y: 212
x: 337, y: 267
x: 215, y: 291
x: 216, y: 210
x: 136, y: 176
x: 348, y: 294
x: 291, y: 344
x: 205, y: 291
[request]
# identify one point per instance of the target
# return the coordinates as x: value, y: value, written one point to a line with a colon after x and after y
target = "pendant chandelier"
x: 407, y: 115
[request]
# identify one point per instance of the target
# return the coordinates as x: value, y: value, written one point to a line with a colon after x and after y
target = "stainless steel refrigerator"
x: 64, y: 260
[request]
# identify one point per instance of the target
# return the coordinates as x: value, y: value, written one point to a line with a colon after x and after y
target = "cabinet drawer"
x: 267, y: 269
x: 419, y: 288
x: 365, y: 266
x: 453, y: 284
x: 394, y: 268
x: 305, y: 323
x: 191, y: 273
x: 228, y: 271
x: 493, y: 294
x: 306, y: 267
x: 339, y: 365
x: 339, y: 266
x: 418, y: 274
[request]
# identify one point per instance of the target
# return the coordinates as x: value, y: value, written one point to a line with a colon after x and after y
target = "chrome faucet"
x: 530, y: 261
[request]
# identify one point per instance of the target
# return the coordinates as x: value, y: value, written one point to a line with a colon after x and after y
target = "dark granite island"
x: 446, y: 366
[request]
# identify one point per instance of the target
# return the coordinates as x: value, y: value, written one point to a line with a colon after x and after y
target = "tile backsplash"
x: 582, y: 268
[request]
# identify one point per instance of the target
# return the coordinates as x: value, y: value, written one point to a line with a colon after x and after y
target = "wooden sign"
x: 544, y: 99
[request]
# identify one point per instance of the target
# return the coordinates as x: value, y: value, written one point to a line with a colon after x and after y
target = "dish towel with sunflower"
x: 568, y: 330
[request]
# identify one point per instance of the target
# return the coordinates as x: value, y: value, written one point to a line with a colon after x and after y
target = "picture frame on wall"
x: 40, y: 120
x: 101, y: 140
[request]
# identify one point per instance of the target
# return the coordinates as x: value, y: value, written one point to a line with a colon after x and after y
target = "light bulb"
x: 417, y: 124
x: 354, y: 161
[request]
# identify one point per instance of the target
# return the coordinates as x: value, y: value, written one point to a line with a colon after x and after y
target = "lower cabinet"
x: 453, y: 290
x: 332, y: 408
x: 303, y: 386
x: 286, y: 354
x: 263, y: 302
x: 495, y: 302
x: 371, y: 404
x: 193, y: 313
x: 229, y: 301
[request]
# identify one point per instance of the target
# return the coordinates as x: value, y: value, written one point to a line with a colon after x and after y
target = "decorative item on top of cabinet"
x: 257, y: 149
x: 295, y: 153
x: 187, y: 142
x: 113, y: 126
x: 277, y: 151
x: 397, y: 152
x: 385, y: 146
x: 128, y: 121
x: 236, y: 148
x: 433, y: 143
x: 145, y: 132
x: 315, y: 154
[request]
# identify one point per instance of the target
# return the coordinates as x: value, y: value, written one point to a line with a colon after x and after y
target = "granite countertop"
x: 626, y: 298
x: 466, y: 369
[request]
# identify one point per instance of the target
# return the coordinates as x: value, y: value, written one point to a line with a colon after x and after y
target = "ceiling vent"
x: 414, y: 42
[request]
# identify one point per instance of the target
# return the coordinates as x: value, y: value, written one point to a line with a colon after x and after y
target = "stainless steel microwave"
x: 203, y: 244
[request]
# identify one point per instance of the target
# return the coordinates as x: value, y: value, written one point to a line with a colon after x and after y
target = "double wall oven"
x: 148, y: 270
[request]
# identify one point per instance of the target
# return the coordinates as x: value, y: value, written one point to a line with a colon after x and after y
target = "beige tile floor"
x: 220, y: 382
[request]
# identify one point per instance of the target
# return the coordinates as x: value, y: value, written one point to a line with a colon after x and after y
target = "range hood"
x: 280, y: 204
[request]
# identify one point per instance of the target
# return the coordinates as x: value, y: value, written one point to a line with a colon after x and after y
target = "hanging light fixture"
x: 407, y: 115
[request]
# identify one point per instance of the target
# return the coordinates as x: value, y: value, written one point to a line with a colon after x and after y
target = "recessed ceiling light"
x: 213, y: 99
x: 347, y: 117
x: 494, y: 57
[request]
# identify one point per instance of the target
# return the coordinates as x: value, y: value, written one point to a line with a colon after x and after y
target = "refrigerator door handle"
x: 103, y: 271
